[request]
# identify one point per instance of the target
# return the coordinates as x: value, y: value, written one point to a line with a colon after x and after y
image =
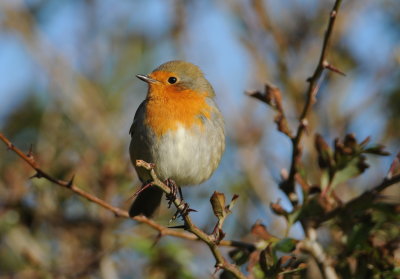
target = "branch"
x: 196, y: 233
x: 362, y: 200
x: 311, y: 246
x: 288, y: 185
x: 210, y: 240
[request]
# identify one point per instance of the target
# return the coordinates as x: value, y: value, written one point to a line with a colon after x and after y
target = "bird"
x: 179, y: 128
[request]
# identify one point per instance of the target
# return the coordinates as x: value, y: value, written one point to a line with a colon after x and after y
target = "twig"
x: 196, y: 233
x: 362, y: 200
x: 272, y: 96
x: 311, y: 246
x: 288, y: 185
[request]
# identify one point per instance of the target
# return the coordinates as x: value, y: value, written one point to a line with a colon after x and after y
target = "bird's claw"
x: 180, y: 212
x: 174, y: 190
x: 183, y: 207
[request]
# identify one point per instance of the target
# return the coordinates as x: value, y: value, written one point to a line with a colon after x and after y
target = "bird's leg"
x: 180, y: 193
x: 175, y: 189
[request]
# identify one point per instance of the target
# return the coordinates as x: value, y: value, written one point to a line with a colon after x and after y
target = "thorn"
x: 365, y: 141
x: 332, y: 68
x: 178, y: 227
x: 71, y: 182
x: 218, y: 267
x: 180, y: 212
x: 158, y: 237
x: 30, y: 153
x: 394, y: 167
x: 36, y: 175
x: 304, y: 123
x: 144, y: 187
x: 175, y: 216
x: 10, y: 146
x: 218, y: 235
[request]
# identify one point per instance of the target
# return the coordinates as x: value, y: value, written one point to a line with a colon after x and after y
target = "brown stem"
x: 313, y: 85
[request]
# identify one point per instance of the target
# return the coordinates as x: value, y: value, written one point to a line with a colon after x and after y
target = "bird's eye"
x: 172, y: 80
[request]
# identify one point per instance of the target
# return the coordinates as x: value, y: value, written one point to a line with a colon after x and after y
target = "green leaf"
x: 353, y: 168
x: 377, y: 150
x: 239, y: 256
x: 294, y: 216
x: 286, y: 245
x: 325, y: 179
x: 268, y: 262
x: 227, y: 275
x: 359, y: 236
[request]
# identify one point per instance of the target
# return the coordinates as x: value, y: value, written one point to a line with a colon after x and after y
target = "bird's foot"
x: 175, y: 189
x: 183, y: 207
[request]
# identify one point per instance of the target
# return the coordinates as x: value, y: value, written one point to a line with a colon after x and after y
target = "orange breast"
x: 168, y: 109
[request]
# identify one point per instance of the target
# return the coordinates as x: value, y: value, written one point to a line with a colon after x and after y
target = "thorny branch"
x: 313, y: 86
x: 196, y: 233
x: 210, y: 240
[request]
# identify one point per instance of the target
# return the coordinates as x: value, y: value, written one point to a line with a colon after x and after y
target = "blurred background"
x: 68, y: 87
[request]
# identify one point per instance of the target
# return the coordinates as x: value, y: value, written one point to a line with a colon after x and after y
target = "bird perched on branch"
x: 179, y: 128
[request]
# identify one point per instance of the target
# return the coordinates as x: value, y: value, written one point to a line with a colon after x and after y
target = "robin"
x: 179, y: 128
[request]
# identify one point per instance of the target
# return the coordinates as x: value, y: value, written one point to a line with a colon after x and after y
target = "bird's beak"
x: 147, y: 79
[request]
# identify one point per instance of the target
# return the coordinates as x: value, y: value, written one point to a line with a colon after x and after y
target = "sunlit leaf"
x: 286, y: 245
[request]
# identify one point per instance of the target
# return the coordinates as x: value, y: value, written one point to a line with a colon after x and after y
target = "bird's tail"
x: 146, y: 202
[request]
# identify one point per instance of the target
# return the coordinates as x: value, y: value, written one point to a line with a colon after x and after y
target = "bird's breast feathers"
x: 165, y: 114
x: 189, y: 156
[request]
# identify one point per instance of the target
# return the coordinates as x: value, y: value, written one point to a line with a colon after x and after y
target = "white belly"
x: 188, y: 158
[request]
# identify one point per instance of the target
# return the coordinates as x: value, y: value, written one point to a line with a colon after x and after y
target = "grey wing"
x: 139, y: 111
x: 139, y: 148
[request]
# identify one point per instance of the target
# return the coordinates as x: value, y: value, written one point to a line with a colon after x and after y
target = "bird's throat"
x: 168, y: 111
